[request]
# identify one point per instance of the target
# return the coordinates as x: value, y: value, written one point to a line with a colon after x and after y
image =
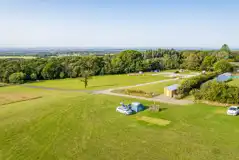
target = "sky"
x: 119, y: 23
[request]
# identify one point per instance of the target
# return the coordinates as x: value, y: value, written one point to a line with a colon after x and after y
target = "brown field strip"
x: 14, y: 98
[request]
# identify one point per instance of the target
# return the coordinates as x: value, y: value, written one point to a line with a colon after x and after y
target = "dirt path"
x: 160, y: 98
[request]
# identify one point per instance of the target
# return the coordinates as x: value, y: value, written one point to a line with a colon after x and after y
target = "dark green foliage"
x: 33, y: 76
x: 219, y: 92
x: 225, y: 48
x: 62, y: 75
x: 127, y: 61
x: 194, y: 82
x: 17, y: 78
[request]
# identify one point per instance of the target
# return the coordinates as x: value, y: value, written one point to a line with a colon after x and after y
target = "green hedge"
x: 194, y: 82
x: 218, y: 92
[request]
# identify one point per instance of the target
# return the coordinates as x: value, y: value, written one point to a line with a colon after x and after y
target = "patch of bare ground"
x: 8, y: 98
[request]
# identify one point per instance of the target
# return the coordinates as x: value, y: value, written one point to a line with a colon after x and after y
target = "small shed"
x: 137, y: 107
x: 170, y: 91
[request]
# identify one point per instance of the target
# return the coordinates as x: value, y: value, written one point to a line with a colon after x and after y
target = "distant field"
x: 17, y: 57
x: 100, y: 82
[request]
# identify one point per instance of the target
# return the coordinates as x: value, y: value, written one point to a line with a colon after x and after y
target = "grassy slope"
x: 100, y: 82
x: 81, y: 126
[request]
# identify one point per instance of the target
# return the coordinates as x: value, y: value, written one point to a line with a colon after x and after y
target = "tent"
x: 137, y: 107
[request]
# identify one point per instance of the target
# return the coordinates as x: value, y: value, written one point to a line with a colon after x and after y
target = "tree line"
x: 128, y: 61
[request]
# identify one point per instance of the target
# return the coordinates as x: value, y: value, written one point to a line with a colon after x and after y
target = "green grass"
x: 157, y: 88
x: 234, y: 82
x: 72, y: 125
x: 99, y: 82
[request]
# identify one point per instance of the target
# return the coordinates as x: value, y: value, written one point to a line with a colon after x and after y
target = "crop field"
x: 76, y: 125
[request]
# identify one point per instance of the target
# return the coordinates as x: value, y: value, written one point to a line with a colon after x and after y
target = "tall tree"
x: 86, y: 75
x: 225, y: 48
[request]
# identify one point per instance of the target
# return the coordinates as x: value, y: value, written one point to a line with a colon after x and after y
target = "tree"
x: 33, y: 76
x: 221, y: 55
x: 192, y: 62
x: 86, y: 75
x: 223, y: 66
x: 126, y: 61
x: 17, y: 78
x: 225, y: 48
x: 51, y: 70
x: 208, y: 63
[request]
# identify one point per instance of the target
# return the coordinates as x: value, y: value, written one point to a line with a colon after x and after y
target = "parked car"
x: 124, y: 110
x: 233, y: 111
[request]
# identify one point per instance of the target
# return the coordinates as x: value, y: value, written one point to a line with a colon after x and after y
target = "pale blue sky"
x: 119, y: 23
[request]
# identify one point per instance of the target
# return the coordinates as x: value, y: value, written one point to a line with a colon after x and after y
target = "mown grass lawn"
x: 100, y: 82
x: 70, y: 125
x: 157, y: 88
x: 234, y: 82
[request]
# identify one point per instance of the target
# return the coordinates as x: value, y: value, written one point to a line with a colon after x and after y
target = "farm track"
x: 160, y: 98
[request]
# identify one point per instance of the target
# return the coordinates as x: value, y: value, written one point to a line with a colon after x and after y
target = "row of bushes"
x: 218, y: 92
x: 194, y: 82
x: 139, y: 93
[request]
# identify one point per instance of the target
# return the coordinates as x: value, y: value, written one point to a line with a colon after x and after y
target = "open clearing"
x: 74, y: 125
x: 100, y: 82
x: 157, y: 88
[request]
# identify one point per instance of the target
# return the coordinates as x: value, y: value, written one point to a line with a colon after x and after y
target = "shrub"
x: 218, y: 92
x: 194, y: 82
x: 222, y: 66
x: 154, y: 108
x: 17, y: 78
x: 139, y: 92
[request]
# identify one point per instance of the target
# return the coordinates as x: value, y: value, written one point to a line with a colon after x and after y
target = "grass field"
x: 100, y: 82
x: 157, y: 88
x: 234, y: 82
x: 73, y: 125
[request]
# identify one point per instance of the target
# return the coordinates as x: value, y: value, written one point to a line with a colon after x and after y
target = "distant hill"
x: 41, y: 51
